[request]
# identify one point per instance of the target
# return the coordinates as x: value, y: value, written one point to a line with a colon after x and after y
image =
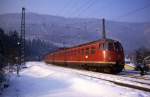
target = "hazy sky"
x: 118, y: 10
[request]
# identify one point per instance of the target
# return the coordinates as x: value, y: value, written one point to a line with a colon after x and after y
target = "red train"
x: 104, y: 55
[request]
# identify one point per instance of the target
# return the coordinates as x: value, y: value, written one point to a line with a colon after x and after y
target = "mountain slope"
x: 72, y: 31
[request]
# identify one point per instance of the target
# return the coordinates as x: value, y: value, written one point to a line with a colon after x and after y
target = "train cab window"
x: 82, y: 51
x: 87, y: 50
x: 93, y: 50
x: 104, y: 46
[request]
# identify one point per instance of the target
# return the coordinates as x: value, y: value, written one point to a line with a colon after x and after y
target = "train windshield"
x: 107, y: 46
x: 104, y: 46
x: 113, y: 46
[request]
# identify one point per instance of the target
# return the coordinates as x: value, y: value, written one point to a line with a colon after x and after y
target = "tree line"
x: 8, y: 54
x: 10, y: 49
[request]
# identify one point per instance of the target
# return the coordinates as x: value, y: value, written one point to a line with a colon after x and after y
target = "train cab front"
x: 112, y: 54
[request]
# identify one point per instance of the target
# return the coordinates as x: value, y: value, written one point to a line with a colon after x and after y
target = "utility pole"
x: 103, y: 27
x: 23, y: 37
x: 21, y: 43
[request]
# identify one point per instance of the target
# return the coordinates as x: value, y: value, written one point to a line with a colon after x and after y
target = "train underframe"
x: 99, y: 67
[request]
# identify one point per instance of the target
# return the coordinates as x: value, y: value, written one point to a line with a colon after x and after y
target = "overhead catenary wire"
x: 64, y: 8
x: 87, y: 7
x: 90, y: 3
x: 82, y: 7
x: 118, y: 17
x: 133, y: 11
x: 77, y: 9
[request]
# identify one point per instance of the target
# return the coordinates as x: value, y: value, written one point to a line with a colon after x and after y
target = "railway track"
x: 119, y: 80
x: 130, y: 82
x: 137, y: 77
x: 123, y: 84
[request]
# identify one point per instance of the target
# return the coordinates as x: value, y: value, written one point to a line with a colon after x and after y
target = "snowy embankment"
x: 41, y: 80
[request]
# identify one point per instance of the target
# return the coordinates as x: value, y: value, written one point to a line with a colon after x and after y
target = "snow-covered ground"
x: 41, y: 80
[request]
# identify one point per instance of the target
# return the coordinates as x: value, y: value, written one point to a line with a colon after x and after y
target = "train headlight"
x: 86, y: 56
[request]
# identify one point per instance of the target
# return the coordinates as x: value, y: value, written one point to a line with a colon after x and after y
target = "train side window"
x: 93, y: 50
x: 87, y: 50
x: 82, y: 51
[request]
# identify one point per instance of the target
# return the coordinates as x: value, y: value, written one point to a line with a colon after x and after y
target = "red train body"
x: 104, y: 55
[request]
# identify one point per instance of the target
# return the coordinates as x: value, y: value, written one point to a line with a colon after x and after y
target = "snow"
x: 42, y: 80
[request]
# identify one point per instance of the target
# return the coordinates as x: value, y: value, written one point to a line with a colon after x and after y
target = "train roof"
x: 88, y: 43
x: 99, y: 40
